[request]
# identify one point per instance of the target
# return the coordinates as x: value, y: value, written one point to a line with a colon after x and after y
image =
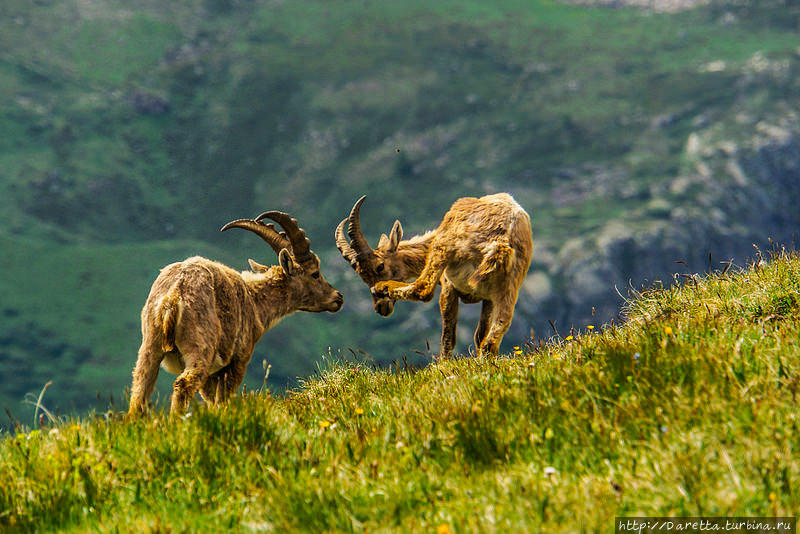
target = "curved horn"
x: 359, y: 242
x: 301, y: 246
x: 266, y: 232
x: 343, y: 245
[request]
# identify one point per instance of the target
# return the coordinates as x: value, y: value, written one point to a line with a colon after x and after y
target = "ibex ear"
x: 383, y: 242
x: 286, y: 261
x: 257, y: 267
x: 395, y: 236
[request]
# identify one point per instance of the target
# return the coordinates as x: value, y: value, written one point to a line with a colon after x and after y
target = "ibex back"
x: 480, y: 252
x: 202, y: 319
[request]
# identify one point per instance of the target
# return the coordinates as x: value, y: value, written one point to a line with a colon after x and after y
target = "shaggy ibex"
x: 203, y: 319
x: 481, y: 251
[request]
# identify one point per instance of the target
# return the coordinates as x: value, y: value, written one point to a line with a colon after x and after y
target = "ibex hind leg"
x: 448, y: 306
x: 483, y: 323
x: 500, y: 323
x: 144, y: 375
x: 191, y: 380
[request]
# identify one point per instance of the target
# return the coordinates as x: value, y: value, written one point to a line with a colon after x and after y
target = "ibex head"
x: 297, y: 260
x: 372, y: 265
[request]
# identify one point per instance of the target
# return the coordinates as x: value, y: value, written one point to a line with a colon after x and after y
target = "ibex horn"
x: 301, y: 246
x: 359, y: 242
x: 343, y: 245
x: 266, y: 232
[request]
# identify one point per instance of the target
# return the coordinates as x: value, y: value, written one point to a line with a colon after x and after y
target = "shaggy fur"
x: 202, y: 321
x: 480, y: 252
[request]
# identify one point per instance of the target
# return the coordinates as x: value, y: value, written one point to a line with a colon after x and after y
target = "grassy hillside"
x: 132, y: 130
x: 688, y: 408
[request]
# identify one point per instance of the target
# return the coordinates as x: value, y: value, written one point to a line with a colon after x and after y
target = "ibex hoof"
x: 380, y: 290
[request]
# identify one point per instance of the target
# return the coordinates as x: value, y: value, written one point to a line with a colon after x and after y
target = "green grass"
x: 300, y: 106
x: 688, y: 408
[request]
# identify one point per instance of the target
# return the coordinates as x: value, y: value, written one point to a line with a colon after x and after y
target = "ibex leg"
x: 221, y: 385
x: 214, y: 387
x: 501, y: 320
x: 144, y: 376
x: 423, y: 287
x: 483, y: 323
x: 448, y: 305
x: 191, y: 379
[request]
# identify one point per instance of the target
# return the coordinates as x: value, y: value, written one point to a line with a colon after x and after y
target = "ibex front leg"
x: 221, y: 385
x: 448, y: 305
x: 422, y: 288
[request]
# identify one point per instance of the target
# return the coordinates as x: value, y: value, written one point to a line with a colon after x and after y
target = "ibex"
x: 202, y: 319
x: 481, y: 251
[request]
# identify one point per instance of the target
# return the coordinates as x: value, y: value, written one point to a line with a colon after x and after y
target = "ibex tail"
x: 496, y: 261
x: 170, y: 313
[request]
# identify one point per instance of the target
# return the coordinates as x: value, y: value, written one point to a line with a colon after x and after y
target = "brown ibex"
x: 481, y: 251
x: 202, y: 319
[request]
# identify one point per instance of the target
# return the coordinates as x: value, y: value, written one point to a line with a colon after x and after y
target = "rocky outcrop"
x: 743, y: 194
x: 661, y: 6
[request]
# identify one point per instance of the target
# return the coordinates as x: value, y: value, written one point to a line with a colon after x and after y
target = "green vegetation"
x: 132, y: 130
x: 688, y: 408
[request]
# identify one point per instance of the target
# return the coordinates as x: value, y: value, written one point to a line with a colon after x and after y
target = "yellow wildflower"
x: 568, y: 338
x: 443, y: 529
x: 772, y: 496
x: 359, y: 411
x: 668, y: 330
x: 548, y: 434
x: 590, y: 326
x: 324, y: 424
